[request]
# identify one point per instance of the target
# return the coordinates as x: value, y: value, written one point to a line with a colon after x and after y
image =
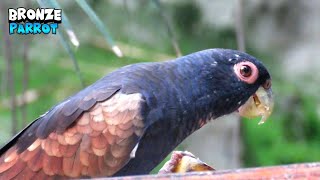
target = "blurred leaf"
x: 65, y: 44
x: 66, y: 23
x: 72, y: 56
x: 103, y: 29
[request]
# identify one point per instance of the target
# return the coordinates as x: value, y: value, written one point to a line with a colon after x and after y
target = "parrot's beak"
x: 259, y: 104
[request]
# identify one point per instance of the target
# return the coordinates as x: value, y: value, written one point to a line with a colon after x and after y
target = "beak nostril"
x: 267, y: 84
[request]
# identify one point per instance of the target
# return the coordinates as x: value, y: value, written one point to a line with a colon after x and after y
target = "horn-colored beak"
x: 259, y: 104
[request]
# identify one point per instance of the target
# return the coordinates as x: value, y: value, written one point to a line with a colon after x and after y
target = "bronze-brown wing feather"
x: 98, y: 142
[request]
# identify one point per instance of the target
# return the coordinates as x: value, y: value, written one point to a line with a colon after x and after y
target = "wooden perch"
x: 294, y: 172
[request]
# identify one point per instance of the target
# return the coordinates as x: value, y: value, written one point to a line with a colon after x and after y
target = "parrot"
x: 127, y: 122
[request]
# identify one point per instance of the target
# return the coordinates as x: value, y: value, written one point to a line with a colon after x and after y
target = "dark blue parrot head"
x: 221, y: 81
x: 234, y: 80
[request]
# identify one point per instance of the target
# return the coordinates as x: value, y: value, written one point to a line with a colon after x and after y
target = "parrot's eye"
x: 246, y: 71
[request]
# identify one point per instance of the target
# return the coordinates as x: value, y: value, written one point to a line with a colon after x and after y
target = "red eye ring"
x: 246, y: 71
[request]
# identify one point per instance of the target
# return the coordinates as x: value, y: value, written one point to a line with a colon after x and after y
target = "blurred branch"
x: 9, y: 66
x: 4, y: 82
x: 169, y: 28
x: 102, y: 28
x: 126, y: 9
x: 241, y: 46
x: 239, y: 26
x: 25, y: 78
x: 3, y: 69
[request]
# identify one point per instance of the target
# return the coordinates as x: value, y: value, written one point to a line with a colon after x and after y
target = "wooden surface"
x: 294, y: 172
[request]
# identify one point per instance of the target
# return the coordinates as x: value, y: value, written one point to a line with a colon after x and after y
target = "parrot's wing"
x: 89, y: 134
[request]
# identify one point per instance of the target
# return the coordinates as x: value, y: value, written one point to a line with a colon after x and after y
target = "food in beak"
x: 182, y: 162
x: 259, y: 104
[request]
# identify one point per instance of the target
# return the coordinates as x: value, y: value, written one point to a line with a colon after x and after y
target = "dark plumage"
x: 140, y: 112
